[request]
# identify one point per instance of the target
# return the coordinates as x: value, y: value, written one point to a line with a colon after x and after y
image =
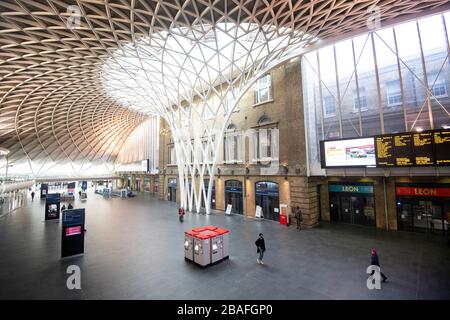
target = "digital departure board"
x: 442, y: 147
x: 410, y: 149
x: 403, y: 150
x: 384, y: 151
x: 423, y: 149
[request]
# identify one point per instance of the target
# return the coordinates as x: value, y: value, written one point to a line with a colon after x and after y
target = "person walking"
x: 32, y: 195
x: 261, y: 248
x: 298, y: 217
x: 70, y: 206
x: 375, y: 261
x: 181, y: 213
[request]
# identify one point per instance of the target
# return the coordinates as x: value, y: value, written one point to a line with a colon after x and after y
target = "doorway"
x: 172, y: 190
x: 427, y: 215
x: 267, y: 197
x: 233, y: 196
x: 138, y: 184
x: 349, y: 204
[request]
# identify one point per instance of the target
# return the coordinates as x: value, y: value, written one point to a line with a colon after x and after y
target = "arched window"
x: 263, y: 120
x: 265, y: 141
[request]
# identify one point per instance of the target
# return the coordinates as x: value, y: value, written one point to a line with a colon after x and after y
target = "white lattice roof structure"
x: 77, y: 77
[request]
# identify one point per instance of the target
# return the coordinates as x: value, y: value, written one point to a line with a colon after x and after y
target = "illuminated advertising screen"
x: 52, y: 210
x: 348, y: 153
x: 72, y: 231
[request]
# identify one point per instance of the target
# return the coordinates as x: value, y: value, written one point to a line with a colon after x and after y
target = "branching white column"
x: 193, y: 76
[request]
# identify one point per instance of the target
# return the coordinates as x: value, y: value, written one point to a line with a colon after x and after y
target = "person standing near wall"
x: 298, y: 217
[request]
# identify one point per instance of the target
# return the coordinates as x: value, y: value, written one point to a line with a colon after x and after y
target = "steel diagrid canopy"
x: 77, y: 77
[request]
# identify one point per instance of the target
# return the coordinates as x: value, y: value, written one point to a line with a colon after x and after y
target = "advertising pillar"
x: 52, y: 206
x: 44, y: 190
x: 72, y: 236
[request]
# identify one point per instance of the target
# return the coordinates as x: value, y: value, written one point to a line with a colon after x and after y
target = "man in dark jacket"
x: 261, y: 247
x: 375, y: 261
x: 32, y: 195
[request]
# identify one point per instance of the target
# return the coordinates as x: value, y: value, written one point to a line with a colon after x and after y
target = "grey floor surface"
x: 134, y: 250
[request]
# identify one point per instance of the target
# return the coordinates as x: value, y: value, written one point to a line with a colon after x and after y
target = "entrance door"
x: 267, y: 197
x: 172, y: 190
x: 347, y: 209
x: 138, y: 185
x: 233, y: 196
x: 423, y: 215
x: 334, y: 207
x: 353, y: 209
x: 235, y: 199
x: 172, y: 194
x: 270, y: 205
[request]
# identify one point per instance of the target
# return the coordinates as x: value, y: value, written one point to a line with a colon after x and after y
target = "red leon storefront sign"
x: 423, y: 192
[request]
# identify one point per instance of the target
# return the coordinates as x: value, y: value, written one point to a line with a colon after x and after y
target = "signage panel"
x: 349, y: 153
x: 423, y: 192
x: 350, y: 188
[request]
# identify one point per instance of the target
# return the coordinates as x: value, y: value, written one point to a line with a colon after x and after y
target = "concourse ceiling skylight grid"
x: 54, y: 108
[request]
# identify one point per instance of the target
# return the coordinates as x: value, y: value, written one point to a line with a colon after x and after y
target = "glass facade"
x: 392, y: 80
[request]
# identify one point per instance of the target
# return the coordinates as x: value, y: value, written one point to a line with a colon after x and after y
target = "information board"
x: 441, y: 140
x: 403, y: 151
x: 423, y: 149
x: 385, y: 151
x: 73, y: 217
x: 72, y: 235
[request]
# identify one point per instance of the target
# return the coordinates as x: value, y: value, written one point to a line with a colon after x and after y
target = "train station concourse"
x: 224, y: 150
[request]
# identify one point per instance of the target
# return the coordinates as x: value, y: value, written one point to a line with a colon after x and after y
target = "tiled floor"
x: 134, y: 250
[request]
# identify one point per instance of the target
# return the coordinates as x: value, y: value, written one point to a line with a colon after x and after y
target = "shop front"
x: 423, y: 207
x: 267, y: 196
x: 172, y: 190
x: 352, y: 203
x: 233, y: 196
